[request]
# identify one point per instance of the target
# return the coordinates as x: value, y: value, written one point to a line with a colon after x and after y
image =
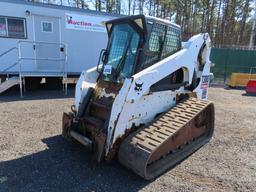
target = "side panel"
x: 202, y: 89
x: 13, y: 10
x: 83, y: 46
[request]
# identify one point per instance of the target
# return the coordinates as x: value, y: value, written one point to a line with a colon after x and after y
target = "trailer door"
x: 47, y: 47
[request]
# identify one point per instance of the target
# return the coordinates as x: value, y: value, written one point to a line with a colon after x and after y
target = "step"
x: 94, y: 122
x: 99, y: 105
x: 7, y: 84
x: 99, y: 110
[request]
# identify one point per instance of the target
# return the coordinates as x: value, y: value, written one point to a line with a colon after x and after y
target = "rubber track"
x: 155, y: 148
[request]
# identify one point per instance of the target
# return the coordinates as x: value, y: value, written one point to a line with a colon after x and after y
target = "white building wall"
x: 83, y: 46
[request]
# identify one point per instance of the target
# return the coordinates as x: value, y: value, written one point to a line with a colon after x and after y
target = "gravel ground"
x: 34, y: 156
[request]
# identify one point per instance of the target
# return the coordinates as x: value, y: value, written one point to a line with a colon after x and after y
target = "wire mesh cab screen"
x: 163, y: 41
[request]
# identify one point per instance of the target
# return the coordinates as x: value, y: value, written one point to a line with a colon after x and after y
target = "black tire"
x: 53, y: 82
x: 32, y: 83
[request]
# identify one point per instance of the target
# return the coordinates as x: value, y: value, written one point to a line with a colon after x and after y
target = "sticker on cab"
x: 107, y: 69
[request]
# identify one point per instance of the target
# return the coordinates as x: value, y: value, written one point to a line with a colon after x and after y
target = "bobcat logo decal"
x: 138, y: 87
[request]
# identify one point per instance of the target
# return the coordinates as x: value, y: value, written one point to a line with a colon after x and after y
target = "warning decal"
x: 205, y: 82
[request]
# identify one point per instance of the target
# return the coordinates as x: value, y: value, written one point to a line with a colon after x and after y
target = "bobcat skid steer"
x: 145, y: 102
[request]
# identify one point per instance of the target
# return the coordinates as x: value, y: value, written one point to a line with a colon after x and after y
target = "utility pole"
x: 251, y: 43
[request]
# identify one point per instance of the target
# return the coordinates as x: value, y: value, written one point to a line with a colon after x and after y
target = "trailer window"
x: 13, y: 27
x: 16, y: 28
x: 46, y: 26
x: 3, y: 31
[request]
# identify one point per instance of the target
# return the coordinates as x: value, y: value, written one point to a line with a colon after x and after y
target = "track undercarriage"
x: 172, y: 137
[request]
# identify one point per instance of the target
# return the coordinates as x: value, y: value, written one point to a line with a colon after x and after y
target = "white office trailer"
x: 47, y: 41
